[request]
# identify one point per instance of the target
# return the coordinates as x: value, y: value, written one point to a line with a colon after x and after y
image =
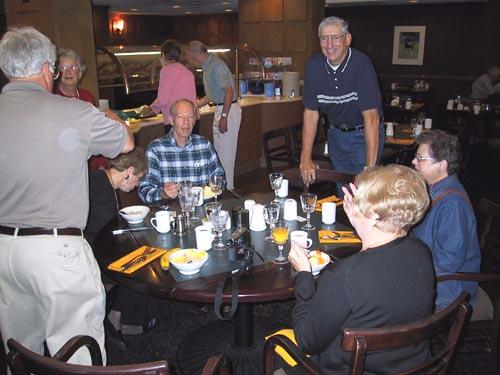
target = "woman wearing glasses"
x: 449, y: 228
x: 71, y: 68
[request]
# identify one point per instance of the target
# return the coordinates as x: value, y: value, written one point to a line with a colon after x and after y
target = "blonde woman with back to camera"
x: 390, y: 281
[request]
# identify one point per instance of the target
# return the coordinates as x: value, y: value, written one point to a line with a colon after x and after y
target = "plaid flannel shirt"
x: 169, y: 162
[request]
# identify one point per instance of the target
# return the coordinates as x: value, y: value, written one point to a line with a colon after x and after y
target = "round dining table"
x: 241, y: 338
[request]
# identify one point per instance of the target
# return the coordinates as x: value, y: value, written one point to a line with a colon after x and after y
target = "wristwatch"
x: 224, y: 114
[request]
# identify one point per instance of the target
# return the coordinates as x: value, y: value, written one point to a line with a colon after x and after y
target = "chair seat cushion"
x: 484, y: 307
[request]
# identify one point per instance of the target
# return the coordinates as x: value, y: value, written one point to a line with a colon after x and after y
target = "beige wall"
x: 282, y: 28
x: 68, y: 23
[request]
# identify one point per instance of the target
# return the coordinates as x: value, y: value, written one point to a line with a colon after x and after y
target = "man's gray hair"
x: 336, y: 21
x: 69, y: 53
x: 197, y: 46
x: 23, y: 51
x: 173, y: 107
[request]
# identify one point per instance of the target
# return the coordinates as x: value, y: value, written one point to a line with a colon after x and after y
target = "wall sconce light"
x: 118, y: 25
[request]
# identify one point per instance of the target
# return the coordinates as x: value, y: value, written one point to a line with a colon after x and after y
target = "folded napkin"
x: 332, y: 198
x: 118, y: 264
x: 347, y: 236
x: 280, y: 351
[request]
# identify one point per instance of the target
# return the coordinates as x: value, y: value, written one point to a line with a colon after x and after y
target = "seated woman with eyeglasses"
x: 71, y: 68
x: 389, y: 282
x: 449, y: 228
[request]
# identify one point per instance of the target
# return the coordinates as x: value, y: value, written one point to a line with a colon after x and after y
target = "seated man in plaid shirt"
x: 178, y: 156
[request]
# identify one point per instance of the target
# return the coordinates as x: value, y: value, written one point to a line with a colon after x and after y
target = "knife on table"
x: 124, y: 230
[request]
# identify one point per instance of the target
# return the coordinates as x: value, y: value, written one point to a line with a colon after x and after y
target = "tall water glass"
x: 216, y: 183
x: 275, y: 180
x: 186, y: 199
x: 271, y: 215
x: 218, y: 218
x: 308, y: 202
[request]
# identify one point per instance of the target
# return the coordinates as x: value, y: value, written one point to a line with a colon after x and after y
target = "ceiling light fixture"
x: 228, y: 10
x: 176, y: 6
x: 134, y: 9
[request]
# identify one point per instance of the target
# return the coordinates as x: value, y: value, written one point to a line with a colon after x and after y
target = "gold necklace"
x: 70, y: 96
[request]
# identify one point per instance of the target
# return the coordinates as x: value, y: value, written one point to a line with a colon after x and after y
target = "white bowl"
x: 318, y: 260
x: 189, y: 261
x: 134, y: 214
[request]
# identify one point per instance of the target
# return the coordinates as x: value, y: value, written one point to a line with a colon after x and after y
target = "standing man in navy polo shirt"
x: 342, y: 84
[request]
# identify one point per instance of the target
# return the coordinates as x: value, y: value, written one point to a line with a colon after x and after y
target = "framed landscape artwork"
x: 409, y: 44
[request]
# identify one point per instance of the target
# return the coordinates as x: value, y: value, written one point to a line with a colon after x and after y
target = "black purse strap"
x: 235, y: 287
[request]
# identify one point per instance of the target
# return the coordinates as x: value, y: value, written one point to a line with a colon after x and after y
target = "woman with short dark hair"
x: 449, y: 228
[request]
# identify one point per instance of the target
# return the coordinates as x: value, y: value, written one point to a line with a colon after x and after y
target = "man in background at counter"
x: 219, y: 88
x: 51, y: 287
x: 178, y: 156
x: 342, y: 84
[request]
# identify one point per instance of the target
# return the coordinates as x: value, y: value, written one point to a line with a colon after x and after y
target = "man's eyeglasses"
x: 65, y: 68
x: 333, y: 38
x: 422, y: 158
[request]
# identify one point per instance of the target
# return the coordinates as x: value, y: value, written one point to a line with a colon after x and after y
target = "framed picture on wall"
x: 409, y: 44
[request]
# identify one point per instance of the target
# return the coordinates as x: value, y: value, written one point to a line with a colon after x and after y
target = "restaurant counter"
x: 259, y: 114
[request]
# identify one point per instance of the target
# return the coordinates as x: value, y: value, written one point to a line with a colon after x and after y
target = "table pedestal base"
x: 218, y: 337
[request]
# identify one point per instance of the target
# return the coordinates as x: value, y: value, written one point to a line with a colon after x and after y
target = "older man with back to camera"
x: 219, y: 88
x: 178, y: 156
x: 342, y: 83
x: 51, y: 287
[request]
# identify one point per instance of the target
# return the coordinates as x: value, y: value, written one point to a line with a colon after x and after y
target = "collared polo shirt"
x: 343, y: 94
x: 216, y: 77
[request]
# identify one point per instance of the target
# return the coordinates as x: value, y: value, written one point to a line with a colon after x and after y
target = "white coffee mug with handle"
x: 161, y: 221
x: 301, y: 238
x: 204, y: 237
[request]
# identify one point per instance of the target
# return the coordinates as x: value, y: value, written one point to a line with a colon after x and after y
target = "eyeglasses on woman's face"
x: 65, y: 68
x: 421, y: 158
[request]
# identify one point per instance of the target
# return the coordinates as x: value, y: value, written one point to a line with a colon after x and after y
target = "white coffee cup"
x: 428, y: 123
x: 389, y: 129
x: 204, y: 237
x: 103, y: 104
x: 161, y: 221
x: 328, y: 212
x: 283, y: 190
x: 248, y: 204
x: 418, y: 129
x: 290, y: 209
x: 300, y: 237
x: 199, y: 202
x: 257, y: 220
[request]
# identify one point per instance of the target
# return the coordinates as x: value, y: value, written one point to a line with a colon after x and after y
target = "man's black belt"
x: 234, y: 101
x: 344, y: 128
x: 40, y: 231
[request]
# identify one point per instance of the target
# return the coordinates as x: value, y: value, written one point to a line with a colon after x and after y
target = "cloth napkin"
x: 282, y: 352
x: 332, y: 198
x: 117, y: 265
x: 322, y: 233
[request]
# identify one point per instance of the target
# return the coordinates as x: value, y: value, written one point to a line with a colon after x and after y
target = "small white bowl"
x: 317, y: 264
x: 189, y: 261
x: 134, y: 214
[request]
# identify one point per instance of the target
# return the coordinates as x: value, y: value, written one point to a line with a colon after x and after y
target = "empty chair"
x: 23, y: 361
x: 360, y: 342
x: 490, y: 237
x: 278, y: 149
x: 323, y: 174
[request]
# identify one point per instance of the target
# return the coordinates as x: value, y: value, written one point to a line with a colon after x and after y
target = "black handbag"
x: 239, y: 248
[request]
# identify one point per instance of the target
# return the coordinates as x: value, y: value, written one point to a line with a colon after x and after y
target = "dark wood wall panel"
x: 213, y: 29
x: 250, y: 11
x: 272, y: 11
x: 296, y: 10
x: 462, y: 40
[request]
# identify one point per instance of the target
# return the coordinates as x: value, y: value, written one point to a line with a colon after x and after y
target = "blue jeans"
x: 348, y: 150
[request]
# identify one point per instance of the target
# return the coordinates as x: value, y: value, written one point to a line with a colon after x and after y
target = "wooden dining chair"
x: 278, y: 147
x: 489, y: 213
x: 23, y: 361
x: 361, y: 342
